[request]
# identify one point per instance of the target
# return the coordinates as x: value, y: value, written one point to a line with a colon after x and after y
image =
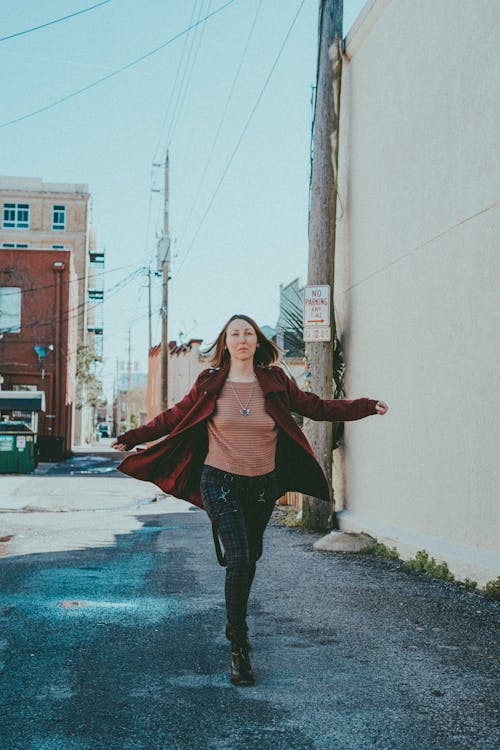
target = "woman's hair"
x: 266, y: 353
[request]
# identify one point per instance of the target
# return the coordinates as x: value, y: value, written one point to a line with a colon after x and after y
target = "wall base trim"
x: 464, y: 562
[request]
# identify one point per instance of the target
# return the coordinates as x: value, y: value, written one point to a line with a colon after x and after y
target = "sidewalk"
x: 45, y: 513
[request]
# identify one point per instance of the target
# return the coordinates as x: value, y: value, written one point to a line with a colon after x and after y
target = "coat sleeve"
x: 328, y: 410
x: 164, y: 422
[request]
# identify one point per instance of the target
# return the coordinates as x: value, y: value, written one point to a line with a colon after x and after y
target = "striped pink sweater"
x: 241, y: 444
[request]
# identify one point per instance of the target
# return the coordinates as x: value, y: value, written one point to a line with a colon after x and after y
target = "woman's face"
x: 241, y: 340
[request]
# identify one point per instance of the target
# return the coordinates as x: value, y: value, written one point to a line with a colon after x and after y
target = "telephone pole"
x: 150, y: 333
x: 129, y: 377
x: 164, y: 258
x: 317, y: 514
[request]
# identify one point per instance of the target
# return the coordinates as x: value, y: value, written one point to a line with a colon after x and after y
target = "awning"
x: 22, y: 400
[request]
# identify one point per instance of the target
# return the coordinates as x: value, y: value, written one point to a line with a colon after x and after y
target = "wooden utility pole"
x: 129, y: 377
x: 150, y: 332
x: 164, y: 258
x: 317, y: 514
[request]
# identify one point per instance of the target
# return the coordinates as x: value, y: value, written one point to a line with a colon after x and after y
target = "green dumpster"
x: 17, y: 448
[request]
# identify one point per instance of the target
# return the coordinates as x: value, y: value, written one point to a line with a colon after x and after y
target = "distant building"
x: 44, y: 216
x: 185, y: 363
x: 130, y: 399
x: 38, y: 334
x: 289, y: 328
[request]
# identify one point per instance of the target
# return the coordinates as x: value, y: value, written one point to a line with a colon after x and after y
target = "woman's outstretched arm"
x: 331, y: 410
x: 161, y: 425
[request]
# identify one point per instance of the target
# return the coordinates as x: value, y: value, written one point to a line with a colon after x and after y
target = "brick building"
x: 38, y: 216
x: 38, y: 333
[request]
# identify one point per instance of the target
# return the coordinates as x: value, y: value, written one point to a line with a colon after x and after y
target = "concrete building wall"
x: 416, y: 278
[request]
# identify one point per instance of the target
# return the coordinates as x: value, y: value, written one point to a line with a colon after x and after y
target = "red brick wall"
x: 48, y: 317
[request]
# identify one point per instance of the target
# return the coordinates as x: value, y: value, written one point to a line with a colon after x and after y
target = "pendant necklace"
x: 244, y: 411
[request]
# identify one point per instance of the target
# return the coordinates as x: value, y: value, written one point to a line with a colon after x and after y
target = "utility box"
x: 17, y: 448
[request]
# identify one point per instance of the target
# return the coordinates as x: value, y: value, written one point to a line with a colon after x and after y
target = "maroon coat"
x: 175, y: 463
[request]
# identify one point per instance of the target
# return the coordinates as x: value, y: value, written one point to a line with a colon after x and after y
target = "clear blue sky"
x: 254, y: 235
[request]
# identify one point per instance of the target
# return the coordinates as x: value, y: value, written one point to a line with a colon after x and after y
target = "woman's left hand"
x: 381, y: 407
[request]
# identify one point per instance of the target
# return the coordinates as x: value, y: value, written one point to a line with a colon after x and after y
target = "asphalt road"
x: 122, y: 648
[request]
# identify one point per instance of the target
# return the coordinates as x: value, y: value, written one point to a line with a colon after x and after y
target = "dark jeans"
x: 239, y: 508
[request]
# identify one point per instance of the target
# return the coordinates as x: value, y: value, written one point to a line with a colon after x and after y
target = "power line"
x: 223, y: 116
x: 72, y: 313
x: 186, y: 78
x: 66, y: 281
x: 240, y: 139
x: 115, y: 72
x: 168, y: 110
x: 56, y: 20
x: 176, y: 100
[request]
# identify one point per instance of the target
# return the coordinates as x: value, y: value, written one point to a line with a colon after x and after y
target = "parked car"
x: 103, y: 429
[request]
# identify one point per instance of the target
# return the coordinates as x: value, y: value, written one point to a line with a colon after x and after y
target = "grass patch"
x: 471, y: 585
x: 422, y: 563
x: 288, y: 517
x: 380, y: 550
x: 491, y: 590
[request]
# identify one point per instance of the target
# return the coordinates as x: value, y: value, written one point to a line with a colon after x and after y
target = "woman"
x: 233, y: 448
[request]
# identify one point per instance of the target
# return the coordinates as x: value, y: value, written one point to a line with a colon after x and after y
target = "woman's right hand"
x: 119, y: 446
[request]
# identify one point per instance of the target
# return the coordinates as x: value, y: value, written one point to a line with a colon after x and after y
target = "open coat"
x: 175, y: 463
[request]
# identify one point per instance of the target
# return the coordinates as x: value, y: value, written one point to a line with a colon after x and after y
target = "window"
x: 23, y: 387
x: 10, y: 309
x: 57, y: 247
x: 11, y: 244
x: 8, y: 244
x: 16, y: 216
x: 59, y: 217
x: 96, y: 257
x: 96, y: 294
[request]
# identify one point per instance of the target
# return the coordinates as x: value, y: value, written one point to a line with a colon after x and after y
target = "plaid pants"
x: 239, y: 508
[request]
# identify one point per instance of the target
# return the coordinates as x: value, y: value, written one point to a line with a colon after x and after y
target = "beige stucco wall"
x: 417, y: 269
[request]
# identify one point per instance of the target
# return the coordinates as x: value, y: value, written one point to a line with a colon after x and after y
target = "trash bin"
x: 17, y: 448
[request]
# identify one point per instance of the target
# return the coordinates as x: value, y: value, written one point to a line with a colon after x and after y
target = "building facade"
x: 185, y: 363
x: 416, y: 279
x: 38, y: 335
x: 38, y: 216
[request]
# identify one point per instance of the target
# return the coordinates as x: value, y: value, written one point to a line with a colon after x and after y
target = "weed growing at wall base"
x: 492, y: 590
x: 422, y: 563
x: 288, y: 517
x: 379, y: 549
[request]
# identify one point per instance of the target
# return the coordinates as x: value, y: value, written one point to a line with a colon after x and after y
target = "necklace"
x: 244, y: 411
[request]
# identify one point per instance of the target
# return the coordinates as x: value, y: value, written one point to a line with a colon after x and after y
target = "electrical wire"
x: 73, y: 313
x: 240, y: 139
x: 196, y: 39
x: 180, y: 90
x: 175, y: 101
x: 116, y: 72
x: 67, y: 281
x: 223, y: 117
x: 56, y: 20
x: 173, y: 98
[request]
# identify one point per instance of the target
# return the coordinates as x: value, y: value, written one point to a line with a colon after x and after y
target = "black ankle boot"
x: 241, y: 636
x: 241, y: 669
